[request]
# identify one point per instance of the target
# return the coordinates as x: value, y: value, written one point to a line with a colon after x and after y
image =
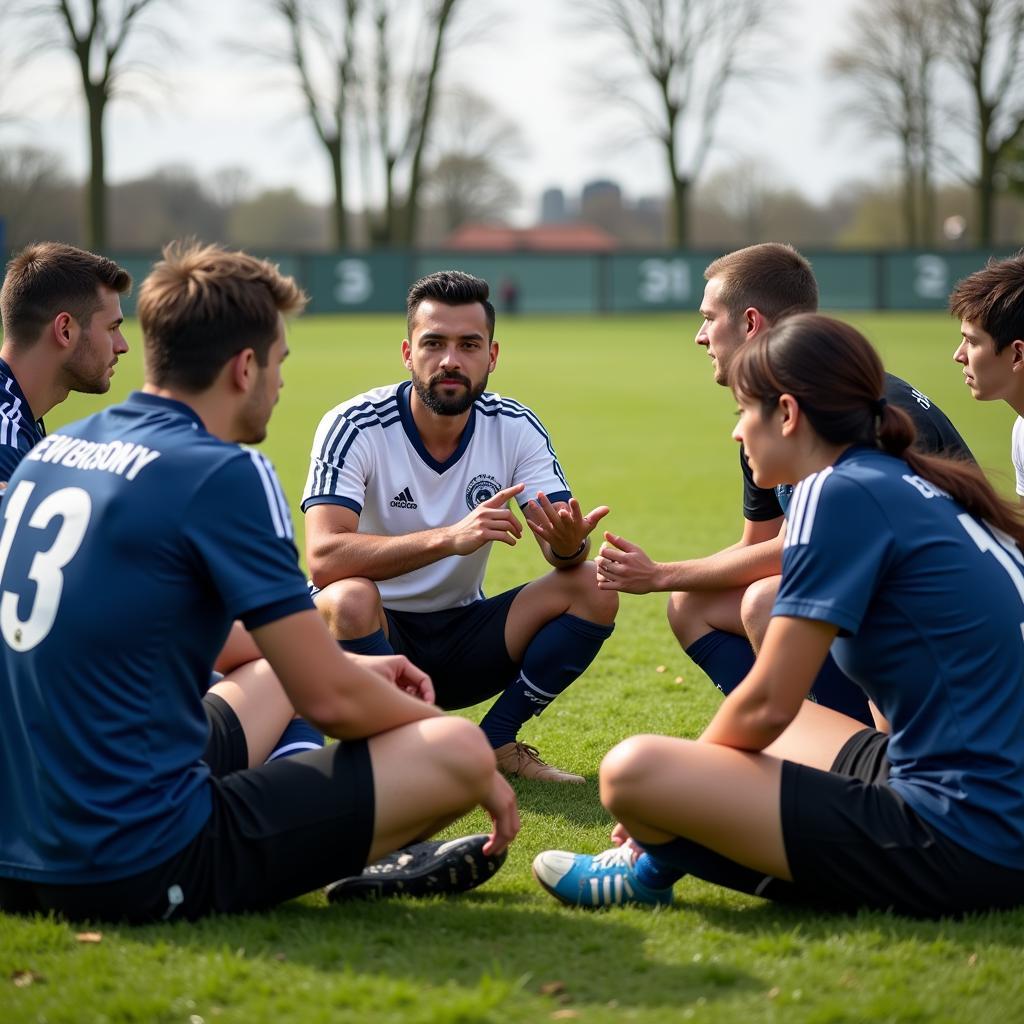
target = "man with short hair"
x: 119, y: 797
x: 720, y: 604
x: 408, y: 487
x: 990, y: 306
x: 61, y: 313
x: 61, y: 316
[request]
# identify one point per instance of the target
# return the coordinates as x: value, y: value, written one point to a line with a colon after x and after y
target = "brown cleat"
x: 522, y: 760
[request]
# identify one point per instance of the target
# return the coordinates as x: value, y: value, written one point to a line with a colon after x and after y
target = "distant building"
x: 553, y: 207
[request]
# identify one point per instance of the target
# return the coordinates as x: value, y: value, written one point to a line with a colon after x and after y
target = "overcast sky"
x: 217, y: 108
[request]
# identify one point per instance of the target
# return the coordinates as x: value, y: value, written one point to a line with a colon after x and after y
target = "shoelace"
x: 616, y: 857
x: 531, y: 752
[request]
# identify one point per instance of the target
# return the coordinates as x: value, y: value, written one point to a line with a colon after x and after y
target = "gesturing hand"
x: 490, y: 520
x: 563, y: 527
x: 625, y: 567
x: 400, y: 671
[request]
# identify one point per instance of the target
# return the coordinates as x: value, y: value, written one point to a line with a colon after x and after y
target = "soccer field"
x: 638, y: 425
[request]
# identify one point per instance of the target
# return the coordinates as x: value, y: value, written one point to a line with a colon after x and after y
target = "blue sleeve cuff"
x: 553, y: 497
x: 332, y: 499
x: 819, y: 611
x: 268, y: 613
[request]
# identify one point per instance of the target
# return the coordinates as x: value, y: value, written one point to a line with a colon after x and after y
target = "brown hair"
x: 201, y: 305
x: 49, y: 278
x: 453, y: 288
x: 838, y: 381
x: 993, y: 298
x: 771, y: 277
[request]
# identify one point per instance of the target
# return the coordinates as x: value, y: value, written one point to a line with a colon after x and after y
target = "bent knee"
x: 588, y: 600
x: 462, y: 752
x: 351, y: 608
x: 687, y: 613
x: 756, y: 607
x: 627, y: 769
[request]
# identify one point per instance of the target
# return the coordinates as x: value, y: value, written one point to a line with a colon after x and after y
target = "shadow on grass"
x: 581, y: 958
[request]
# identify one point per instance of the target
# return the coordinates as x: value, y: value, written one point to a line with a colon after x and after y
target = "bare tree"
x: 475, y: 144
x: 679, y: 60
x: 986, y: 47
x: 321, y: 50
x: 96, y: 33
x: 891, y: 61
x: 397, y: 115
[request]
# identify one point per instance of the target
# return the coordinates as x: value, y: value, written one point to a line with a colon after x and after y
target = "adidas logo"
x: 404, y: 499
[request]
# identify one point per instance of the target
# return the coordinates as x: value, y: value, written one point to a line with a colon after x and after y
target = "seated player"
x: 408, y: 487
x: 118, y: 798
x: 990, y: 307
x: 720, y: 604
x: 793, y: 801
x: 61, y: 313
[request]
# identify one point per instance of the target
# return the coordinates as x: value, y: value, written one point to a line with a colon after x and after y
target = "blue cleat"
x: 606, y: 879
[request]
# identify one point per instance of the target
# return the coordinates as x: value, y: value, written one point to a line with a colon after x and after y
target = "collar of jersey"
x: 149, y: 401
x: 409, y: 424
x: 17, y: 392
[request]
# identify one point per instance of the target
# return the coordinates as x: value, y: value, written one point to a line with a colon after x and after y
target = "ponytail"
x: 960, y: 478
x: 838, y: 379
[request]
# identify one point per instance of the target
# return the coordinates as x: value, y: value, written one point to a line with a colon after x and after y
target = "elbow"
x: 336, y: 715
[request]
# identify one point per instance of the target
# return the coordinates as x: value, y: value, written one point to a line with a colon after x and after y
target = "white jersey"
x: 1017, y: 452
x: 368, y: 456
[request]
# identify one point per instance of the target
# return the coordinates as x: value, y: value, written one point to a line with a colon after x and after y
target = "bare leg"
x: 719, y: 797
x: 425, y: 776
x: 695, y: 613
x: 256, y: 696
x: 562, y: 590
x: 238, y: 649
x: 756, y: 608
x: 351, y: 608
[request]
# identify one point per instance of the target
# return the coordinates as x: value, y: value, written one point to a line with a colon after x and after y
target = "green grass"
x: 639, y: 426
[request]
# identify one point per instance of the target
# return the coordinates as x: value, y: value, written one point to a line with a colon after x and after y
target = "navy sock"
x: 299, y: 736
x: 559, y: 653
x: 374, y: 643
x: 833, y: 688
x: 655, y: 874
x: 680, y: 857
x: 725, y: 657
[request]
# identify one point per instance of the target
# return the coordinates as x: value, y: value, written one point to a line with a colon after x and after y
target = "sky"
x: 214, y: 107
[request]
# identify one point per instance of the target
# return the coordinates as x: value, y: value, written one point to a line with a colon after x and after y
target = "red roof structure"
x: 578, y: 237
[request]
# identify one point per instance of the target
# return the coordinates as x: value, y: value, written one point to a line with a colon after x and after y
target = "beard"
x: 438, y: 403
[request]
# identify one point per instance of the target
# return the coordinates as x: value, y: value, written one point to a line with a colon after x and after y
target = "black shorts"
x: 852, y: 841
x: 274, y: 832
x: 461, y: 649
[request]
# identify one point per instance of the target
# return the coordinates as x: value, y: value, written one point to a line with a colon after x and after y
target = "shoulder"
x: 1017, y: 433
x: 378, y: 407
x: 847, y: 496
x: 507, y: 413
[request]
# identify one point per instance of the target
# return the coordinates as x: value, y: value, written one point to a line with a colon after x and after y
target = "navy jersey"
x: 131, y: 540
x: 935, y: 435
x: 19, y: 429
x: 931, y: 620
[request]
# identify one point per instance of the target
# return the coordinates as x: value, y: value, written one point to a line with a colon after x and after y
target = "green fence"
x: 608, y: 282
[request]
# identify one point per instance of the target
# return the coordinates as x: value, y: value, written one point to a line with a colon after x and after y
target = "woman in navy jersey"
x: 908, y: 567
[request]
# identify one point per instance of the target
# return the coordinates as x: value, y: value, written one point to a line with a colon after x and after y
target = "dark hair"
x: 772, y: 277
x: 838, y: 381
x: 201, y: 305
x: 453, y: 288
x: 993, y: 298
x: 49, y: 278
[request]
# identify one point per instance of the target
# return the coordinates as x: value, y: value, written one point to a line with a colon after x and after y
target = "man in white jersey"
x: 990, y: 306
x: 408, y: 486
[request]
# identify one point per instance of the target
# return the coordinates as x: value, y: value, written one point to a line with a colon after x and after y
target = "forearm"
x: 375, y: 557
x: 737, y: 566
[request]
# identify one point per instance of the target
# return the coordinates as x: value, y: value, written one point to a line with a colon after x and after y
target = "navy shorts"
x: 274, y: 832
x: 852, y: 841
x: 461, y: 649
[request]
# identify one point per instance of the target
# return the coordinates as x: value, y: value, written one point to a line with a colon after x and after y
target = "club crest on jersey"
x: 480, y: 489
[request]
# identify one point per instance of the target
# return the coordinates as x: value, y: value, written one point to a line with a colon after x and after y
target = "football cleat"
x: 430, y: 868
x: 606, y: 879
